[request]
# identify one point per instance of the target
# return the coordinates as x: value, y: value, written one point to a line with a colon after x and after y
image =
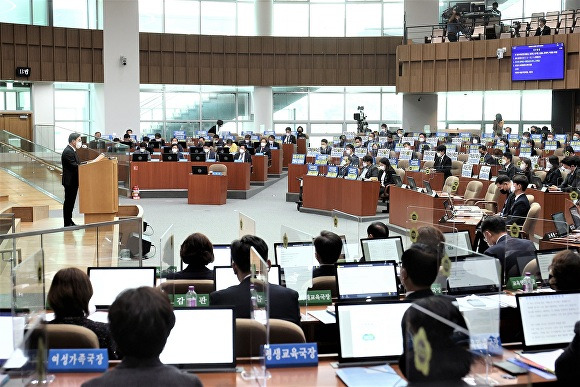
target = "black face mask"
x: 504, y: 191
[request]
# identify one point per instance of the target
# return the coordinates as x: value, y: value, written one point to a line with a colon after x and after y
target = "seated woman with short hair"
x: 197, y: 252
x: 69, y: 296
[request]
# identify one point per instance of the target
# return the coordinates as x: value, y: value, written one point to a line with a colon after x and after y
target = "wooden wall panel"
x: 466, y: 66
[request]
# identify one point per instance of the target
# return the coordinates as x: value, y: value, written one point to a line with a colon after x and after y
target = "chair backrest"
x: 250, y: 335
x: 428, y: 164
x: 218, y: 168
x: 463, y: 157
x: 473, y: 189
x: 516, y: 160
x: 505, y: 35
x: 401, y: 173
x: 437, y: 32
x: 530, y: 222
x: 327, y: 282
x: 403, y: 164
x: 532, y: 268
x: 182, y: 286
x: 541, y: 175
x: 456, y: 167
x: 69, y: 336
x: 285, y: 332
x: 492, y: 195
x: 531, y: 198
x: 559, y: 152
x: 448, y: 186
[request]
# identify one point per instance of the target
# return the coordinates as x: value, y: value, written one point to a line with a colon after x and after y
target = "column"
x: 42, y: 97
x: 121, y: 90
x: 420, y: 13
x: 419, y: 110
x: 263, y: 100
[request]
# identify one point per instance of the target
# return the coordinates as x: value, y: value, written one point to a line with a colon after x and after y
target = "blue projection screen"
x: 538, y: 62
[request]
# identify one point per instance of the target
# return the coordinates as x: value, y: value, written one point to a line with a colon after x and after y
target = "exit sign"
x: 22, y: 71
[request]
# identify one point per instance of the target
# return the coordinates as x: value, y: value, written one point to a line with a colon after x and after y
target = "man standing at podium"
x: 70, y: 176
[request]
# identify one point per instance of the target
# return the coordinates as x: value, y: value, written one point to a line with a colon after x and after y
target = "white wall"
x: 121, y: 90
x: 421, y: 12
x: 42, y: 99
x: 263, y: 108
x: 419, y: 110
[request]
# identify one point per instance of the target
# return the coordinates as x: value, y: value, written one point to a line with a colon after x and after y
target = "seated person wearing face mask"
x: 407, y: 146
x: 209, y: 152
x: 175, y: 150
x: 272, y: 142
x: 142, y: 150
x: 324, y: 148
x: 442, y: 161
x: 553, y: 176
x: 349, y: 151
x: 517, y: 205
x: 508, y: 168
x: 175, y: 142
x: 550, y: 137
x: 264, y: 148
x: 369, y: 171
x: 243, y: 154
x: 344, y: 165
x: 526, y: 168
x: 572, y: 180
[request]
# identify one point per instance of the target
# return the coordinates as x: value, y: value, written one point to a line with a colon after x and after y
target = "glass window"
x: 326, y: 107
x: 71, y: 105
x: 541, y: 6
x: 392, y: 107
x: 72, y: 14
x: 537, y: 105
x: 151, y: 106
x: 150, y: 16
x: 39, y: 12
x: 290, y: 20
x: 465, y: 126
x: 246, y: 19
x: 442, y: 107
x: 371, y: 103
x: 363, y: 19
x: 243, y: 106
x: 182, y: 16
x: 290, y: 107
x: 218, y: 106
x: 3, y: 101
x: 327, y: 20
x: 326, y: 128
x: 512, y: 9
x: 150, y: 128
x: 23, y: 100
x: 10, y: 100
x: 464, y: 106
x: 218, y: 18
x: 181, y: 106
x: 17, y: 12
x: 188, y: 127
x: 393, y: 15
x: 505, y: 102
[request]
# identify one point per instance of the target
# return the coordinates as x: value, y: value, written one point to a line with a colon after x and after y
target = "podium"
x: 98, y: 194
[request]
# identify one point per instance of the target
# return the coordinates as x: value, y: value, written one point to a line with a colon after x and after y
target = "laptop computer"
x: 382, y: 249
x: 560, y: 223
x: 221, y: 150
x: 196, y: 149
x: 575, y: 214
x: 169, y: 156
x: 226, y: 157
x: 370, y: 333
x: 398, y: 181
x: 199, y: 169
x: 537, y: 182
x: 139, y: 157
x: 474, y: 274
x: 412, y: 183
x: 367, y: 280
x: 109, y: 282
x: 212, y: 349
x: 458, y: 244
x: 548, y: 318
x: 427, y: 186
x: 544, y: 259
x: 295, y: 254
x: 224, y: 277
x: 222, y: 256
x: 11, y: 334
x: 198, y: 157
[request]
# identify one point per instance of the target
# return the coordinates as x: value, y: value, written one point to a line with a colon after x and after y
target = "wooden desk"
x: 259, y: 168
x: 277, y: 161
x: 351, y: 196
x: 295, y: 171
x: 175, y: 175
x: 301, y: 146
x: 287, y: 151
x: 550, y: 203
x: 435, y: 179
x: 207, y: 189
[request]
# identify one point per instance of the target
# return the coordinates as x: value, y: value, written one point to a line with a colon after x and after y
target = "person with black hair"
x: 419, y: 268
x: 498, y: 125
x: 542, y: 29
x: 517, y: 204
x: 300, y: 132
x: 568, y: 150
x: 349, y: 151
x: 572, y: 180
x: 214, y: 129
x: 377, y: 230
x: 532, y: 144
x: 324, y: 148
x: 526, y: 168
x: 553, y: 176
x: 567, y: 370
x: 369, y: 171
x: 487, y: 158
x: 243, y: 154
x: 283, y: 302
x: 508, y: 167
x: 196, y: 252
x: 140, y: 321
x: 442, y: 162
x: 142, y: 150
x: 289, y: 138
x: 327, y: 250
x: 386, y: 173
x: 358, y: 142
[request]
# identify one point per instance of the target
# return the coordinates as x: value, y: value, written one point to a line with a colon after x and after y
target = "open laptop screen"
x: 560, y: 223
x: 222, y: 256
x: 108, y: 282
x: 359, y: 280
x: 383, y: 249
x: 370, y: 331
x: 476, y: 274
x: 212, y: 347
x: 544, y: 259
x: 575, y: 217
x: 548, y: 318
x: 295, y: 254
x: 458, y: 244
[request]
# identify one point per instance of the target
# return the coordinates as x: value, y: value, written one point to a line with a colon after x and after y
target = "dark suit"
x: 274, y: 145
x: 326, y: 151
x: 246, y: 157
x: 506, y: 249
x: 510, y: 170
x: 265, y: 150
x: 488, y: 159
x: 571, y: 182
x: 386, y: 177
x: 516, y: 210
x: 543, y: 31
x: 553, y: 177
x: 192, y: 272
x: 324, y: 270
x: 372, y: 171
x: 443, y: 164
x: 288, y: 139
x: 70, y: 180
x: 211, y: 155
x: 283, y: 302
x: 567, y: 369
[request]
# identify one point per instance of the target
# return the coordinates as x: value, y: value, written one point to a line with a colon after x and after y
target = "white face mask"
x: 421, y: 139
x: 548, y: 165
x: 206, y: 150
x: 348, y: 151
x: 271, y: 142
x: 550, y: 138
x: 263, y: 144
x: 174, y: 150
x: 382, y: 167
x: 475, y: 141
x: 143, y: 149
x: 575, y: 138
x: 323, y: 146
x: 439, y: 154
x: 79, y: 144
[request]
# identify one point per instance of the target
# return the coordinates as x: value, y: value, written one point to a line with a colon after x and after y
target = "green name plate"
x: 318, y: 297
x: 515, y: 283
x: 436, y: 289
x: 178, y: 300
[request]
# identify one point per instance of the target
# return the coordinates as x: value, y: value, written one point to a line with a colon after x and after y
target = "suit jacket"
x: 518, y: 211
x: 510, y: 170
x: 247, y: 157
x: 265, y: 150
x: 192, y: 272
x: 571, y: 182
x: 275, y: 145
x: 326, y: 151
x: 292, y: 139
x: 443, y: 164
x: 386, y: 177
x: 567, y: 369
x: 211, y: 155
x: 283, y: 302
x: 372, y: 171
x: 507, y: 249
x: 553, y: 177
x: 488, y: 159
x: 543, y: 31
x: 70, y: 167
x: 146, y: 153
x: 144, y: 372
x: 324, y: 270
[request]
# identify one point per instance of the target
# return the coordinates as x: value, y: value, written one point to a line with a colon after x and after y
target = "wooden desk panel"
x: 259, y: 168
x: 550, y: 203
x: 207, y: 189
x: 436, y: 180
x: 295, y: 171
x: 301, y: 146
x: 277, y: 161
x: 351, y: 196
x: 287, y: 151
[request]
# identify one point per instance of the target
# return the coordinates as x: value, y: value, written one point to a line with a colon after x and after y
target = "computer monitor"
x: 166, y: 149
x: 197, y: 157
x: 427, y: 186
x: 196, y: 332
x: 199, y: 169
x: 370, y: 331
x: 221, y: 150
x: 139, y: 157
x: 108, y: 282
x: 226, y: 157
x: 544, y: 259
x: 398, y: 181
x: 412, y: 183
x: 169, y: 156
x: 295, y: 254
x: 196, y: 149
x: 382, y: 249
x: 560, y: 223
x: 575, y: 214
x: 474, y: 275
x: 537, y: 182
x: 222, y: 256
x: 548, y: 318
x: 366, y: 280
x: 458, y: 244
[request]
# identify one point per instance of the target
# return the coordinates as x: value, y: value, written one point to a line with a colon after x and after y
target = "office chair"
x: 473, y: 190
x: 531, y: 198
x: 527, y: 228
x: 448, y: 186
x: 285, y: 332
x: 456, y: 167
x: 250, y: 335
x: 325, y: 283
x: 489, y: 202
x: 218, y: 168
x: 69, y: 336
